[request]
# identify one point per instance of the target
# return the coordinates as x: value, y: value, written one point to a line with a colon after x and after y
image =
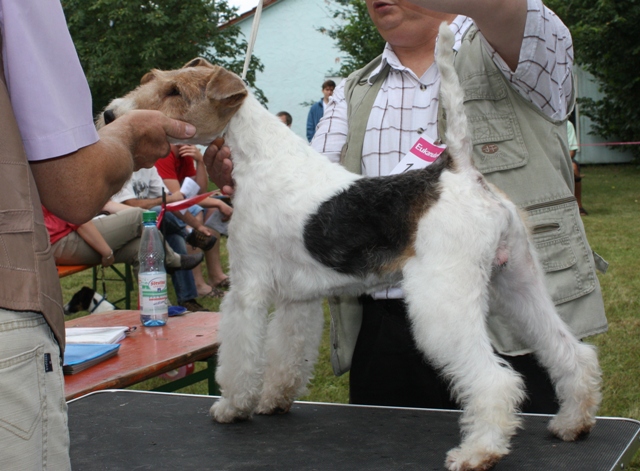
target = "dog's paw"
x: 274, y: 407
x: 569, y: 429
x: 460, y: 459
x: 224, y: 412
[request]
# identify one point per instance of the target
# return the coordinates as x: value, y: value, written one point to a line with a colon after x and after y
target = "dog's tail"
x: 457, y: 136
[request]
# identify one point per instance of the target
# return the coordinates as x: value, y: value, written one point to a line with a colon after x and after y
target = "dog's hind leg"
x: 520, y: 293
x: 446, y: 292
x: 240, y: 356
x: 293, y: 340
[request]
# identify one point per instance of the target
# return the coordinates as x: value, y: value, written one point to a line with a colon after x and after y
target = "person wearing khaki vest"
x: 50, y: 153
x: 515, y: 69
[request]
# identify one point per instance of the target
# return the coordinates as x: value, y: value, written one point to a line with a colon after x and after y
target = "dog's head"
x: 199, y: 93
x: 88, y: 300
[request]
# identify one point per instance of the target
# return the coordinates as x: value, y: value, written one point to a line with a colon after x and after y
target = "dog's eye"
x: 173, y: 91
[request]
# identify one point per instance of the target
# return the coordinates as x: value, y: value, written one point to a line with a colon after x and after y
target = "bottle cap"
x: 148, y: 216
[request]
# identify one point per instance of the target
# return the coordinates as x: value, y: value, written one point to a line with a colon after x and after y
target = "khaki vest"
x: 525, y: 154
x: 28, y: 276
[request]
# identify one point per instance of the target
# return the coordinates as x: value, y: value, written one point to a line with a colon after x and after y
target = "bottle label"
x: 152, y: 293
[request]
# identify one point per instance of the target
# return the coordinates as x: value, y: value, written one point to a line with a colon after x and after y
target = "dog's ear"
x: 148, y: 77
x: 226, y: 87
x: 198, y: 62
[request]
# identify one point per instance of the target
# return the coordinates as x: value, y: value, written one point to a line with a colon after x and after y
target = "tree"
x: 118, y: 41
x: 606, y: 36
x: 356, y: 35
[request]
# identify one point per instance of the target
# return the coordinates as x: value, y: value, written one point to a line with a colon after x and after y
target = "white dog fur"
x: 466, y: 250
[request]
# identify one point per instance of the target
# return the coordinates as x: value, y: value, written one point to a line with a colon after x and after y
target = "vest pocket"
x: 497, y: 138
x: 497, y: 143
x: 562, y: 251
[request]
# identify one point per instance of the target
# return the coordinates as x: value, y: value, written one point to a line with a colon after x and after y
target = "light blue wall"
x: 297, y: 58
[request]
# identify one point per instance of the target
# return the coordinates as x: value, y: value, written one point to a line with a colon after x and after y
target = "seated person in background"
x: 144, y: 190
x: 106, y: 240
x: 186, y: 161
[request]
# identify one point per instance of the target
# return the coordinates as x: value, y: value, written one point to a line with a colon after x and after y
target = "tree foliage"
x: 118, y: 41
x: 356, y: 35
x: 606, y: 36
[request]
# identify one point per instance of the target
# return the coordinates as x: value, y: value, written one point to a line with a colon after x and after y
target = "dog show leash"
x: 252, y: 40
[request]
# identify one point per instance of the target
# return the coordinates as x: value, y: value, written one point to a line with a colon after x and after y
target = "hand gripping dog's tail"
x: 457, y: 135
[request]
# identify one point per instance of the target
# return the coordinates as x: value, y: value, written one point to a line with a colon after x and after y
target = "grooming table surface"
x: 126, y: 430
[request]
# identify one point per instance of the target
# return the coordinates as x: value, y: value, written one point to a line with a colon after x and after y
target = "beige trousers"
x: 122, y: 232
x: 33, y: 412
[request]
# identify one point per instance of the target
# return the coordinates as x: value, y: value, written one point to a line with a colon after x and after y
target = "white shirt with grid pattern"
x: 407, y: 106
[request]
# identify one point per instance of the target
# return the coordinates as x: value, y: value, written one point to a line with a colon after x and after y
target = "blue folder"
x: 80, y: 356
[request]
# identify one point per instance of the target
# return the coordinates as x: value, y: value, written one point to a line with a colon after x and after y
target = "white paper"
x: 189, y: 188
x: 95, y: 334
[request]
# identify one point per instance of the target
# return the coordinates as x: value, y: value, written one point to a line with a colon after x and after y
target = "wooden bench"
x: 66, y: 270
x: 126, y: 277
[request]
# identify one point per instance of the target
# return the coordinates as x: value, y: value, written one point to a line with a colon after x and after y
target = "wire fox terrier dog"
x: 304, y: 228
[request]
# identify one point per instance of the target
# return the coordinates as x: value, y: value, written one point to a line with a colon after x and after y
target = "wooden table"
x: 149, y: 351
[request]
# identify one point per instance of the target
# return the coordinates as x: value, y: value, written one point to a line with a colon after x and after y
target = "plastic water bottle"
x: 152, y: 277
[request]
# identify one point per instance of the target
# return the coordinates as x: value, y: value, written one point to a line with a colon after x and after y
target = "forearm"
x: 502, y: 22
x: 112, y: 207
x: 215, y: 203
x: 189, y: 219
x: 143, y: 203
x: 90, y: 234
x: 201, y: 177
x: 75, y: 187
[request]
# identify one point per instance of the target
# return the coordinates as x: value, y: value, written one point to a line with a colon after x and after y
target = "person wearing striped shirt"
x: 532, y: 51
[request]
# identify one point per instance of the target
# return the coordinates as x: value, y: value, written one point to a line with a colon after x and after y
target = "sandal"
x: 215, y: 293
x: 200, y: 240
x: 224, y: 284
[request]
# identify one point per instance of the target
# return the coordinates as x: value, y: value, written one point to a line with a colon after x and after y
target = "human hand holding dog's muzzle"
x: 217, y: 159
x: 149, y: 133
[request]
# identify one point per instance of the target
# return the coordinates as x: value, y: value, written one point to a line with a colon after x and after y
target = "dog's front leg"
x: 240, y: 357
x: 293, y: 340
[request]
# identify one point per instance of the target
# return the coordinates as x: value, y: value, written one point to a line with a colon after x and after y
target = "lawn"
x: 611, y: 195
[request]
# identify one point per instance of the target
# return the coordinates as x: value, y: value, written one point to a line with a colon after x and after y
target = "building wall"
x: 593, y: 154
x: 297, y: 58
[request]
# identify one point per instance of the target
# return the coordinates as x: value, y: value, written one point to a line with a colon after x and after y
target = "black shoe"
x: 187, y: 262
x: 200, y: 240
x: 193, y: 306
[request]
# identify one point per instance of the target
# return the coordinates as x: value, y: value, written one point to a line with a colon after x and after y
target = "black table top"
x: 135, y: 430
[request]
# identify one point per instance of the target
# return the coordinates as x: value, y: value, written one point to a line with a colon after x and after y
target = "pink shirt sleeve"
x: 48, y: 89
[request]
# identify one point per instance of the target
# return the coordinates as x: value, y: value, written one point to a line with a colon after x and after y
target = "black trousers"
x: 388, y: 369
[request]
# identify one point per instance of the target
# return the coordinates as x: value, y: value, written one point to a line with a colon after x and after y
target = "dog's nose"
x: 108, y: 116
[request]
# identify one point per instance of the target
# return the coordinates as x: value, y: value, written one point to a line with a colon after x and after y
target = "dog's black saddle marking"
x: 371, y: 223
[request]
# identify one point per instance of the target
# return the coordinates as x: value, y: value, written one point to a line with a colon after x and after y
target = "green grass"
x: 611, y: 194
